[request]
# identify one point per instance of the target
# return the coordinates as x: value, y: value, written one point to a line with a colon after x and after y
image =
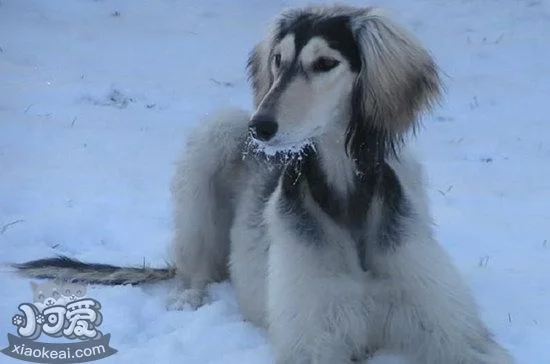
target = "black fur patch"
x: 293, y: 193
x: 394, y: 209
x: 335, y: 30
x: 304, y: 175
x: 66, y: 262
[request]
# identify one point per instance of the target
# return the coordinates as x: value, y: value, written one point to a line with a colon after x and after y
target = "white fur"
x: 202, y: 214
x: 317, y: 305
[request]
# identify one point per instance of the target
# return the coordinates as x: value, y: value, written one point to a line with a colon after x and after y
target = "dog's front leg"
x: 318, y: 296
x: 203, y: 189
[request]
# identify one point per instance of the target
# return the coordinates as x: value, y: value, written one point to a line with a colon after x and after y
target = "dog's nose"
x: 263, y: 127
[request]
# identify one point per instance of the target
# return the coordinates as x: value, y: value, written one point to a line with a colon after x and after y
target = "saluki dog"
x: 314, y: 207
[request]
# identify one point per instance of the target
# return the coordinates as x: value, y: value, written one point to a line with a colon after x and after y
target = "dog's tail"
x: 72, y: 270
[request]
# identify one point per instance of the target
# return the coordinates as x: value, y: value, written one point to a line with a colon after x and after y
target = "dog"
x: 315, y: 207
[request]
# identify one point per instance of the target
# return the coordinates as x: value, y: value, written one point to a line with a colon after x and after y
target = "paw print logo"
x: 40, y: 319
x: 17, y: 320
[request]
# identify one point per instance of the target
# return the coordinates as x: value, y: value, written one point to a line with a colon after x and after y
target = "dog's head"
x: 350, y: 70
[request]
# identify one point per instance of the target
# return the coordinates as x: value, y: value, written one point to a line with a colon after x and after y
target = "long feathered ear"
x: 399, y: 78
x: 259, y: 72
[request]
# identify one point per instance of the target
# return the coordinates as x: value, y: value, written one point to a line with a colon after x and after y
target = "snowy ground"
x: 95, y: 98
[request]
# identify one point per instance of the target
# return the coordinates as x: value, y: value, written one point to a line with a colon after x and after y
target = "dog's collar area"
x: 350, y: 210
x: 364, y: 168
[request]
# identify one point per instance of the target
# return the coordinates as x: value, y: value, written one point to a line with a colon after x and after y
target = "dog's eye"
x: 324, y: 64
x: 277, y: 60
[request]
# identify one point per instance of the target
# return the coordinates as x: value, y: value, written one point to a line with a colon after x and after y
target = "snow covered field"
x: 95, y: 99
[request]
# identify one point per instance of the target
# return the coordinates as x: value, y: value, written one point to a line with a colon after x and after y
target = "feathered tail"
x: 72, y: 270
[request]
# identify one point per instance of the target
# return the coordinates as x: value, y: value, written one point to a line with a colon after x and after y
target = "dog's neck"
x: 339, y: 170
x: 350, y: 191
x: 334, y: 180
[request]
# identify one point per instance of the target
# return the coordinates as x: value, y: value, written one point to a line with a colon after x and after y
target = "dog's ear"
x: 259, y: 72
x: 398, y: 79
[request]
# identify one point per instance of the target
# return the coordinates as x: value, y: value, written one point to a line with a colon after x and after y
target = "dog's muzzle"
x: 263, y: 127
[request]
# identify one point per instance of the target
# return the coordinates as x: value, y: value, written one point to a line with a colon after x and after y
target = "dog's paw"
x: 179, y: 299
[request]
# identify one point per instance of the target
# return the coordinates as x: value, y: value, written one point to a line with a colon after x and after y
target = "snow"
x: 95, y: 99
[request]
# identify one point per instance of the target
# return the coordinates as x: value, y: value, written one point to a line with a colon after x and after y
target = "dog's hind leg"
x: 203, y: 191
